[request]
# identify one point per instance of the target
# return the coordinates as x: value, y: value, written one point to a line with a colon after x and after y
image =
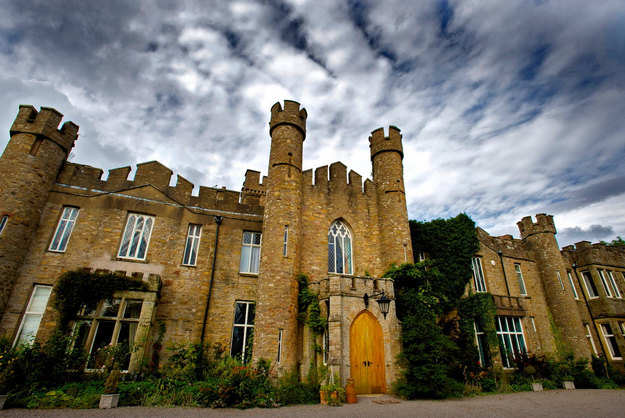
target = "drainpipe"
x: 505, y: 278
x: 218, y: 220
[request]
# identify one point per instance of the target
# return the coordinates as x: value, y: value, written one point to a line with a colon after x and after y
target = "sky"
x: 507, y: 108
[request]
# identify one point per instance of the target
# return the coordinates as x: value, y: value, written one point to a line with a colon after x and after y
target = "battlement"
x: 45, y: 123
x: 157, y: 175
x: 253, y: 191
x: 544, y: 223
x: 506, y: 244
x: 380, y: 143
x: 289, y: 115
x: 584, y: 253
x: 336, y: 178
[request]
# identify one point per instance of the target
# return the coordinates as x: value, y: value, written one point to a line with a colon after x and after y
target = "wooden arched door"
x: 366, y: 348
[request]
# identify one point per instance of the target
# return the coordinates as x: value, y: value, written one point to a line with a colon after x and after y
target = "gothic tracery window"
x: 339, y: 249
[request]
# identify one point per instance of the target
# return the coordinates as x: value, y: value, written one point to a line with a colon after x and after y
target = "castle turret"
x: 28, y: 168
x: 560, y: 300
x: 276, y: 308
x: 387, y: 154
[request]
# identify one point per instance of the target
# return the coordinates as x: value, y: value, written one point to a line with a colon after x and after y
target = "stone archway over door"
x: 366, y: 348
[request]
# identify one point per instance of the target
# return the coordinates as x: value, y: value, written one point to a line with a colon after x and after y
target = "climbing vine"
x: 309, y: 309
x: 76, y: 289
x: 438, y: 331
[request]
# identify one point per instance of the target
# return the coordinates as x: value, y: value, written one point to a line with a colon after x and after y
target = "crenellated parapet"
x: 87, y: 180
x: 378, y: 142
x: 584, y: 253
x: 254, y: 191
x: 544, y: 223
x: 289, y: 115
x: 334, y: 179
x: 45, y: 123
x: 509, y: 246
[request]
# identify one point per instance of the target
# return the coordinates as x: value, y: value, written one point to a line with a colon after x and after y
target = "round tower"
x: 276, y: 306
x: 541, y: 238
x: 28, y: 168
x: 387, y: 154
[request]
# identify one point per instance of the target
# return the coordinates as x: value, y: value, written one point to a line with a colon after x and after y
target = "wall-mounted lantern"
x: 384, y: 303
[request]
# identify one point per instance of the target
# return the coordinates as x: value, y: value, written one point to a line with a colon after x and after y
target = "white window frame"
x: 591, y: 340
x: 512, y: 341
x: 612, y: 281
x: 519, y: 276
x: 604, y: 283
x: 560, y: 280
x: 340, y: 249
x: 248, y: 327
x: 591, y: 289
x: 189, y: 257
x: 478, y: 275
x: 33, y: 314
x: 572, y: 285
x: 250, y: 252
x: 610, y: 340
x: 480, y: 340
x: 3, y: 223
x: 136, y: 236
x: 64, y: 229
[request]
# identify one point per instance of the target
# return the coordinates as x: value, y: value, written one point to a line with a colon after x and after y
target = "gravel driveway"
x: 552, y: 404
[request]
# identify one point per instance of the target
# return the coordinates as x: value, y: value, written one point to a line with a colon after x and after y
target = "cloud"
x: 507, y: 110
x: 592, y: 233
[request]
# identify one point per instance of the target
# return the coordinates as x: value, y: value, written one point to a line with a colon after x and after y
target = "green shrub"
x: 289, y: 390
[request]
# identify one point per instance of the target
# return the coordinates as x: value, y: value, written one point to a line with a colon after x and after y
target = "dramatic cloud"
x: 507, y: 109
x: 592, y: 233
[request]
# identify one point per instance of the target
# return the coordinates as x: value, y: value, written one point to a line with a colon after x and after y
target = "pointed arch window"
x: 339, y: 249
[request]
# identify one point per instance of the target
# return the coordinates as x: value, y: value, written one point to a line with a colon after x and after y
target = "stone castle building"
x: 222, y: 266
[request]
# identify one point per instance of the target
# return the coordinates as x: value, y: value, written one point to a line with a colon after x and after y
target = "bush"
x: 26, y: 369
x: 289, y: 390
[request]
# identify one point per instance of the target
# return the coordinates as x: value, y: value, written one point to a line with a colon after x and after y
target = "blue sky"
x: 507, y: 109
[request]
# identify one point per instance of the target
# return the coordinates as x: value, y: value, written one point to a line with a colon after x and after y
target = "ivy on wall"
x: 81, y: 288
x: 309, y: 309
x: 438, y: 332
x: 450, y: 244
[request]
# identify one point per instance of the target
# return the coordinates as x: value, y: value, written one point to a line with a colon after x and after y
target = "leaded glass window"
x: 250, y: 252
x: 64, y: 229
x: 136, y: 237
x: 339, y: 249
x: 191, y: 247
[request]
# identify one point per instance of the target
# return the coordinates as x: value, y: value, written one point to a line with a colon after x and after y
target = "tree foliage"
x: 450, y: 244
x: 617, y: 242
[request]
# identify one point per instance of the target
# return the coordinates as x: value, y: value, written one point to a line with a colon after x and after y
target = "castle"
x: 223, y: 266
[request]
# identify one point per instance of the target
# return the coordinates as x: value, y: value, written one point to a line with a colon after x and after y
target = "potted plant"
x: 332, y: 393
x: 567, y: 378
x: 113, y: 357
x: 110, y: 397
x: 536, y: 385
